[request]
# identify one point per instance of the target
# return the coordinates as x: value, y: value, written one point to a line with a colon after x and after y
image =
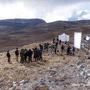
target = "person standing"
x: 56, y: 46
x: 60, y: 42
x: 35, y: 56
x: 22, y: 58
x: 30, y: 53
x: 8, y: 56
x: 53, y: 40
x: 41, y: 47
x: 69, y: 50
x: 73, y: 50
x: 40, y: 54
x: 17, y: 54
x: 25, y: 55
x: 62, y: 48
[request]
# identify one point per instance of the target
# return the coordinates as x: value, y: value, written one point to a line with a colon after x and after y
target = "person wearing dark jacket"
x: 41, y: 47
x: 30, y: 53
x: 35, y: 53
x: 25, y: 55
x: 17, y: 54
x: 60, y: 42
x: 56, y: 46
x: 22, y: 57
x: 53, y: 40
x: 39, y: 54
x: 69, y: 50
x: 73, y: 50
x: 46, y: 45
x: 8, y: 56
x: 62, y: 48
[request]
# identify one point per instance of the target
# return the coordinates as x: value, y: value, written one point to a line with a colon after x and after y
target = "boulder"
x: 41, y: 87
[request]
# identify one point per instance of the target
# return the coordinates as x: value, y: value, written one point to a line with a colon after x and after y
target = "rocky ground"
x: 55, y: 72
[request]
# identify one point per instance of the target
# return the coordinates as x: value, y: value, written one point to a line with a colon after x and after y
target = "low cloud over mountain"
x: 49, y: 10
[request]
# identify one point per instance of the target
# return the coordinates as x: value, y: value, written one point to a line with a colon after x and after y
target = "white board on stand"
x: 77, y: 40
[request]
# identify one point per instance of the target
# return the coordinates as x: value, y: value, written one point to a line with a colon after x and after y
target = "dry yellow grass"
x: 31, y: 71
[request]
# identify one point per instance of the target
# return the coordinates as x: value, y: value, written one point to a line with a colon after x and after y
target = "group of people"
x: 62, y: 47
x: 37, y: 53
x: 27, y: 55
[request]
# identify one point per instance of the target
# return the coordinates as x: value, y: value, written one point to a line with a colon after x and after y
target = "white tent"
x: 63, y: 37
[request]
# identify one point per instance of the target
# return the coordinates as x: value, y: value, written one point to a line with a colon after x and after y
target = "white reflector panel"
x: 77, y: 39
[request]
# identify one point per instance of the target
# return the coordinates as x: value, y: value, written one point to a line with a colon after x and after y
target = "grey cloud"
x: 43, y: 7
x: 7, y: 1
x: 54, y: 2
x: 48, y: 6
x: 76, y: 16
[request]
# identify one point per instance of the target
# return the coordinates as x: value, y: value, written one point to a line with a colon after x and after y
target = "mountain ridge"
x: 12, y: 36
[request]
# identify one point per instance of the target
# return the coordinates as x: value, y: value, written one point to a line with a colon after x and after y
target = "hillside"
x: 19, y: 32
x: 55, y: 72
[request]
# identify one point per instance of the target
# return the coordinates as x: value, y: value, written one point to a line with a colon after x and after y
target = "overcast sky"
x: 49, y: 10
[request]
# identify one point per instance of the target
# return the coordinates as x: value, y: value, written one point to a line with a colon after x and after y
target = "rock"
x: 26, y: 81
x: 82, y: 66
x: 89, y: 57
x: 79, y: 62
x: 41, y: 87
x: 14, y: 84
x: 88, y: 73
x: 82, y: 73
x: 21, y: 82
x: 18, y: 88
x: 52, y: 72
x: 42, y: 81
